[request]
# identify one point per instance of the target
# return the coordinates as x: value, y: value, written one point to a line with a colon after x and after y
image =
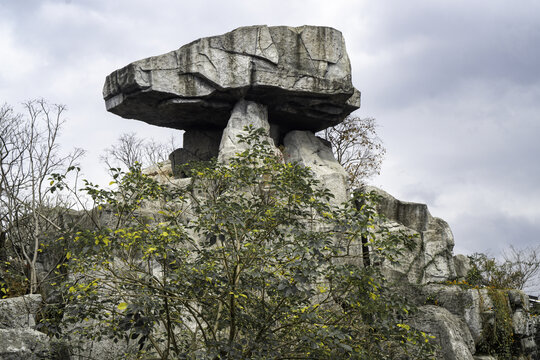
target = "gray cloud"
x: 454, y: 87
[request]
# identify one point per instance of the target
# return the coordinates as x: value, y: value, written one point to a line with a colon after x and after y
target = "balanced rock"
x: 302, y: 75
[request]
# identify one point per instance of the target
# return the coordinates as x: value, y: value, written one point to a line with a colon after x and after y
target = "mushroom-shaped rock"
x: 302, y: 75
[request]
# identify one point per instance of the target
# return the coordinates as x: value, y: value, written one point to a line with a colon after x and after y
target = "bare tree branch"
x: 357, y: 148
x: 29, y: 154
x: 130, y: 149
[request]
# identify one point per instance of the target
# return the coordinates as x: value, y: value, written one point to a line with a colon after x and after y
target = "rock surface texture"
x: 19, y: 312
x: 23, y: 344
x: 307, y: 149
x: 18, y: 339
x: 245, y: 113
x: 431, y: 260
x: 451, y: 333
x: 302, y: 74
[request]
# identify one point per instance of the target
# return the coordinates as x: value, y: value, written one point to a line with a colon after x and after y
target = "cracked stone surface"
x: 451, y: 333
x: 245, y: 113
x: 431, y: 259
x: 301, y: 74
x: 306, y: 149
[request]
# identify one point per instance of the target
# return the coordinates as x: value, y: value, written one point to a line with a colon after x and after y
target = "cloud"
x: 454, y: 87
x: 17, y: 61
x: 427, y: 50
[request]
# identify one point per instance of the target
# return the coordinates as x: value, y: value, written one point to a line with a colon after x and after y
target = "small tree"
x: 247, y: 262
x: 130, y: 149
x: 29, y: 215
x: 518, y: 270
x: 357, y: 148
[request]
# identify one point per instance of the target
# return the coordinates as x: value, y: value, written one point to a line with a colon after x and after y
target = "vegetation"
x: 518, y: 270
x: 29, y: 216
x: 130, y: 149
x: 247, y: 261
x: 498, y: 336
x: 357, y: 148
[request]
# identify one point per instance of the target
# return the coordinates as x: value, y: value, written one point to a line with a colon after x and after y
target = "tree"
x: 519, y: 269
x: 131, y: 149
x: 29, y: 154
x: 357, y: 148
x: 247, y: 262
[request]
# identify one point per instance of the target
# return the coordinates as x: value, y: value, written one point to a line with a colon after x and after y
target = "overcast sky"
x: 454, y: 86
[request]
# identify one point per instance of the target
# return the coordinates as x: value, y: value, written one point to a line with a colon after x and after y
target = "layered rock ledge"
x: 302, y: 74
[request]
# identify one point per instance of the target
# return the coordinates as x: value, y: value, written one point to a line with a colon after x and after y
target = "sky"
x: 454, y: 87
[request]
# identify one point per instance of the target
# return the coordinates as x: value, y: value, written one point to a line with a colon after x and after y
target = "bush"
x: 248, y: 261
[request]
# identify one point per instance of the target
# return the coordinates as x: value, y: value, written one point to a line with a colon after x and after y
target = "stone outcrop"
x: 18, y: 338
x: 23, y: 344
x: 245, y: 113
x: 431, y: 259
x: 198, y: 145
x: 451, y: 333
x: 462, y: 265
x: 291, y: 82
x: 484, y: 317
x: 19, y: 312
x: 302, y: 74
x: 305, y: 148
x: 469, y: 323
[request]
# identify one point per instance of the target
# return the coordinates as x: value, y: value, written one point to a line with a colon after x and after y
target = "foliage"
x: 357, y: 148
x: 498, y: 334
x: 249, y: 261
x: 518, y: 270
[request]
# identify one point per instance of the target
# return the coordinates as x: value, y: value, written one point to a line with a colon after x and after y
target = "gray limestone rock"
x: 19, y: 312
x: 432, y: 259
x: 439, y: 246
x: 474, y: 306
x: 462, y: 264
x: 518, y: 299
x: 302, y: 74
x: 23, y: 344
x: 245, y: 113
x: 450, y: 332
x: 307, y: 149
x: 528, y: 346
x: 520, y: 322
x: 198, y: 145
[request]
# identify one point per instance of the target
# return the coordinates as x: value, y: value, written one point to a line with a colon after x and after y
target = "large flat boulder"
x: 302, y: 74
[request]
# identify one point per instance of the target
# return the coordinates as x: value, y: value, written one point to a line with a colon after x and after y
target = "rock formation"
x: 18, y: 339
x: 303, y: 76
x: 431, y: 260
x: 300, y: 76
x: 290, y: 82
